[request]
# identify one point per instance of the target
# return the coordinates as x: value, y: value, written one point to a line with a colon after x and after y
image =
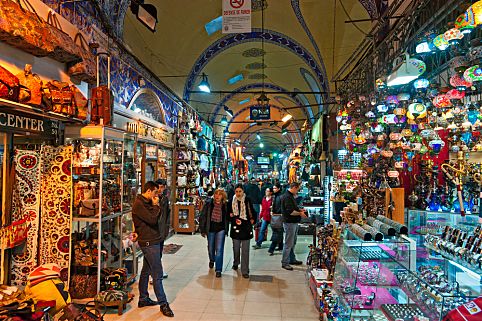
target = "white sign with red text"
x: 236, y: 16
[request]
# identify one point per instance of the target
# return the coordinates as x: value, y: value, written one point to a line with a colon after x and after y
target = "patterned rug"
x: 26, y: 203
x: 171, y: 248
x: 56, y: 216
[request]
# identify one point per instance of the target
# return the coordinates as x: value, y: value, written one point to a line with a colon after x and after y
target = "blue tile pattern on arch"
x: 245, y: 88
x: 269, y: 36
x: 295, y: 4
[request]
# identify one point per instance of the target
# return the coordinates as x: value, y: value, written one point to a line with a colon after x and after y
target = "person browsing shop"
x: 276, y: 221
x: 213, y: 223
x: 254, y: 194
x: 292, y: 215
x: 241, y: 213
x: 165, y: 216
x: 264, y: 216
x: 146, y: 213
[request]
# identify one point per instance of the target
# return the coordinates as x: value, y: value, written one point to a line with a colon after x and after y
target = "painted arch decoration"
x: 244, y: 89
x: 269, y: 36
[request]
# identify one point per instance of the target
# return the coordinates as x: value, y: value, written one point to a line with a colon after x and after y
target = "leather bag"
x: 65, y: 50
x: 59, y: 98
x: 102, y: 98
x: 89, y: 207
x: 33, y: 83
x: 81, y: 103
x: 84, y: 70
x: 9, y: 85
x: 22, y: 28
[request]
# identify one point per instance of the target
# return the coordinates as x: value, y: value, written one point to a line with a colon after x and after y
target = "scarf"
x: 217, y: 213
x: 241, y: 212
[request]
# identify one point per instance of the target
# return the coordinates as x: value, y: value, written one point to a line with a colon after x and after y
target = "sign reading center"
x: 236, y: 16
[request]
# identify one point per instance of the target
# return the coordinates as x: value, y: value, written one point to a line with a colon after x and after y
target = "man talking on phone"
x: 145, y: 214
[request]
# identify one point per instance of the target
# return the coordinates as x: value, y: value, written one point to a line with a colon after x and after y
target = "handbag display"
x: 22, y: 28
x: 85, y: 69
x: 65, y: 50
x: 33, y: 83
x: 9, y: 85
x: 59, y: 98
x: 83, y: 286
x: 89, y: 207
x: 102, y: 98
x: 81, y: 103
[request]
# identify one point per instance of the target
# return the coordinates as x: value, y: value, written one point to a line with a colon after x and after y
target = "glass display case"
x: 97, y: 172
x: 376, y: 280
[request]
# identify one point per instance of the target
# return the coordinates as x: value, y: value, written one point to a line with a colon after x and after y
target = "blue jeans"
x: 262, y: 230
x: 152, y: 266
x: 216, y: 248
x: 291, y: 233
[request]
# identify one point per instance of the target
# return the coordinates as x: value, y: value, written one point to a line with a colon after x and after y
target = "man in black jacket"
x: 292, y: 215
x: 145, y: 214
x: 253, y: 192
x: 165, y: 216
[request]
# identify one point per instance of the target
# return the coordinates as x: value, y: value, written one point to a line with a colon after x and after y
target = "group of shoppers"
x: 238, y: 215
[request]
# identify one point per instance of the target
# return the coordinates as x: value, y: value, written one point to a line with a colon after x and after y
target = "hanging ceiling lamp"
x: 459, y: 82
x: 421, y: 84
x: 464, y: 23
x: 224, y: 121
x: 473, y: 74
x: 440, y: 42
x: 442, y: 101
x: 409, y: 70
x: 204, y: 84
x: 453, y: 36
x: 474, y: 13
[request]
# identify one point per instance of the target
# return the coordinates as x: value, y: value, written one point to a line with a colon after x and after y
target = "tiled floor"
x: 195, y: 293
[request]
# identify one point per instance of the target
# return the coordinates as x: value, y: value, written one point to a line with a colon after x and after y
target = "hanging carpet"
x: 56, y: 217
x: 26, y: 204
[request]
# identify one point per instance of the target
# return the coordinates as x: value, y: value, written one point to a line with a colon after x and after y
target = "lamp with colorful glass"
x: 453, y: 36
x: 406, y: 71
x: 440, y: 42
x: 380, y: 84
x: 421, y: 85
x: 474, y: 75
x: 459, y: 82
x: 465, y: 23
x: 417, y: 111
x: 474, y: 13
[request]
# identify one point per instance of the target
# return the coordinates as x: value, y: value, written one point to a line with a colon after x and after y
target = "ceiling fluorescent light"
x: 409, y: 70
x: 204, y: 84
x: 235, y: 79
x: 244, y: 101
x: 286, y: 118
x: 284, y: 131
x: 214, y: 25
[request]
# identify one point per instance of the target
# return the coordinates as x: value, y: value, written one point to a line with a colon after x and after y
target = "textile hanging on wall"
x: 26, y: 204
x: 56, y: 215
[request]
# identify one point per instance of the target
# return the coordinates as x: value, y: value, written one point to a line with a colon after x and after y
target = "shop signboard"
x: 149, y: 132
x: 17, y: 122
x: 260, y: 113
x: 236, y: 16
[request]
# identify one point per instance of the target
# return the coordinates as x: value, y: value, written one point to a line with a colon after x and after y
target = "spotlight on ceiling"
x: 204, y: 84
x: 284, y: 131
x: 263, y: 100
x: 258, y: 137
x: 228, y: 111
x: 145, y: 13
x: 261, y: 145
x: 224, y: 121
x: 226, y: 132
x: 286, y: 118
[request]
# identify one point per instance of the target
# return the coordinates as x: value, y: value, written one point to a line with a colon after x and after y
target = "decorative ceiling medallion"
x: 256, y: 65
x: 257, y: 76
x: 257, y: 5
x: 254, y: 52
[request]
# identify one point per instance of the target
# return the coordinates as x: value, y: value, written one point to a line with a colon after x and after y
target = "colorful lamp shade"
x: 465, y: 23
x: 417, y: 111
x: 456, y: 94
x: 403, y: 97
x: 442, y: 101
x: 392, y: 100
x: 459, y: 82
x: 474, y: 13
x: 380, y: 84
x: 421, y: 84
x: 440, y: 42
x: 409, y: 70
x: 452, y: 36
x: 473, y: 74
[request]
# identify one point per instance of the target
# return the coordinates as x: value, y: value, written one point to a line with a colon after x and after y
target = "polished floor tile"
x: 195, y: 293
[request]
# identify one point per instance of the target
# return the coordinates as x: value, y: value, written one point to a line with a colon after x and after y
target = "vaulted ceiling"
x: 305, y: 42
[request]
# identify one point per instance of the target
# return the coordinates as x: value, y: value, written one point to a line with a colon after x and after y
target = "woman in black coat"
x: 242, y: 218
x: 213, y: 223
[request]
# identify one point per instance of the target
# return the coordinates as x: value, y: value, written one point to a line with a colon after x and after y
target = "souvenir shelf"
x: 381, y: 276
x: 97, y: 172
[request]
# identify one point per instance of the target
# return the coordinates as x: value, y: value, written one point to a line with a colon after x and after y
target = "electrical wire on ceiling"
x: 349, y: 17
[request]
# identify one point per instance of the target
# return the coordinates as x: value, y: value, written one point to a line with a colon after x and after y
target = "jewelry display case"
x: 97, y: 172
x: 379, y: 280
